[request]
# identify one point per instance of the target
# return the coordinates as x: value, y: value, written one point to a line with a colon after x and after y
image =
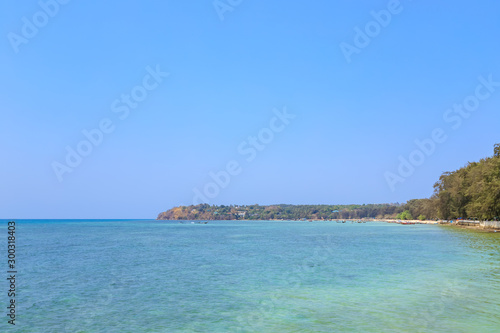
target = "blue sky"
x: 353, y: 120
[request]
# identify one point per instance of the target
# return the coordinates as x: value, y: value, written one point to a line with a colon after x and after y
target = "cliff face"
x: 201, y: 212
x: 185, y: 213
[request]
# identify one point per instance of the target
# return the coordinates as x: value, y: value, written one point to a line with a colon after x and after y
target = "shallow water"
x: 227, y: 276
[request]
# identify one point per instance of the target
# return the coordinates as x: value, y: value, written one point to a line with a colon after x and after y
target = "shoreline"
x: 483, y: 226
x: 476, y: 228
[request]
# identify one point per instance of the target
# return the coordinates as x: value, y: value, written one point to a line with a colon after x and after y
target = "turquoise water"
x: 227, y: 276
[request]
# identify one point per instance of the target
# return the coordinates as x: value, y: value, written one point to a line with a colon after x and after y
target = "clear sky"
x: 354, y: 84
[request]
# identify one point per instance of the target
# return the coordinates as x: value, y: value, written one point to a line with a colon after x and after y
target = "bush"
x: 404, y: 215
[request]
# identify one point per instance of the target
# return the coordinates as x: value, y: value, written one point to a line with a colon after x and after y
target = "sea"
x: 250, y: 276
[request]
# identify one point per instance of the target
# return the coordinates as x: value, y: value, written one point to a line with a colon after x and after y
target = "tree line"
x: 281, y: 212
x: 471, y: 192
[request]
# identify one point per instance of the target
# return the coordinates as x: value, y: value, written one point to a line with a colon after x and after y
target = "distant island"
x: 471, y: 192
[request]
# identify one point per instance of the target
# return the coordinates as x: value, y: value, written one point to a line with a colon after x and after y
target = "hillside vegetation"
x: 286, y: 212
